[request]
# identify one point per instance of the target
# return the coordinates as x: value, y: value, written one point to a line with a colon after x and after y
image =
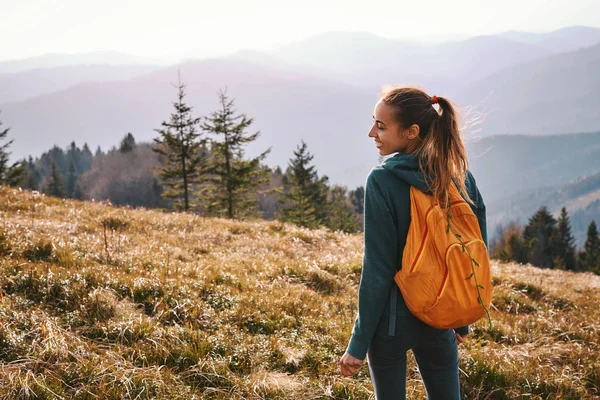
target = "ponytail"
x: 440, y: 150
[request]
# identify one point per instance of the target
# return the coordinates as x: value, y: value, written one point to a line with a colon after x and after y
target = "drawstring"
x: 393, y: 298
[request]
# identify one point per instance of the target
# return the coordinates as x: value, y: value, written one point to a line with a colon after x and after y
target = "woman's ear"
x: 413, y: 132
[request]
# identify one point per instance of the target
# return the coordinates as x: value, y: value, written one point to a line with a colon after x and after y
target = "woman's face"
x: 387, y: 133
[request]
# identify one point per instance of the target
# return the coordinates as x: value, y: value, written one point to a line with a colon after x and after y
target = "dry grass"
x: 175, y: 306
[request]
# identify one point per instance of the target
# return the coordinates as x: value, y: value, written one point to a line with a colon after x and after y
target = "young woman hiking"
x: 430, y: 154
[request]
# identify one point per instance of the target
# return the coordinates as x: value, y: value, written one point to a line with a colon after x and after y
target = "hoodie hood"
x: 406, y: 167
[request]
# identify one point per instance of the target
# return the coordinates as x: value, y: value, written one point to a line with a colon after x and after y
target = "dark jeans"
x: 435, y: 350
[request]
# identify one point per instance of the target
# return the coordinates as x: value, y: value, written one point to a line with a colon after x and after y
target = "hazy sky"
x: 183, y: 28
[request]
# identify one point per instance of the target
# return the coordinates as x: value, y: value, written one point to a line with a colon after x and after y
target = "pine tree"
x: 55, y: 186
x: 341, y: 214
x: 73, y: 154
x: 71, y: 179
x: 234, y: 180
x: 304, y: 192
x: 98, y: 152
x: 515, y: 248
x: 32, y: 175
x: 357, y: 198
x: 590, y: 255
x: 78, y: 193
x: 86, y: 159
x: 127, y: 143
x: 54, y: 155
x: 182, y: 152
x: 564, y: 243
x: 538, y: 236
x: 14, y: 174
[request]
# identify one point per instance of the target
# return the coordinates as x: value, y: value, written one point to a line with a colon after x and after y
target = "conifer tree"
x: 73, y: 154
x: 56, y: 155
x: 304, y: 192
x: 14, y: 174
x: 71, y: 179
x: 590, y: 255
x: 341, y: 215
x: 182, y: 152
x: 234, y: 180
x: 539, y: 237
x: 55, y: 185
x: 564, y: 243
x: 357, y: 198
x: 86, y: 158
x: 32, y: 175
x: 78, y: 193
x: 127, y: 143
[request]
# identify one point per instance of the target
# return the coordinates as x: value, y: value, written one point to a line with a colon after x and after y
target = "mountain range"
x: 580, y: 197
x: 323, y: 89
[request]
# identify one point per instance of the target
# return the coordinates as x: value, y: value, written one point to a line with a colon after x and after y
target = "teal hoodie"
x: 386, y: 222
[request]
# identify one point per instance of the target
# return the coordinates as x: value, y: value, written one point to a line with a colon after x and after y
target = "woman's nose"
x: 371, y: 132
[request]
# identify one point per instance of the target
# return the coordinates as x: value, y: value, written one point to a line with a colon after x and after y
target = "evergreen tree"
x: 71, y: 179
x: 182, y: 152
x: 55, y: 186
x: 539, y: 236
x: 86, y: 159
x: 127, y: 143
x: 59, y: 156
x: 73, y: 154
x: 14, y: 174
x: 304, y: 192
x: 99, y: 152
x: 341, y: 214
x: 78, y: 193
x: 590, y: 255
x: 234, y: 180
x: 515, y: 248
x: 564, y: 243
x: 357, y: 198
x: 32, y: 176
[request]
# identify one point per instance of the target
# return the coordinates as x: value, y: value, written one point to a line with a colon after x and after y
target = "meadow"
x: 100, y: 302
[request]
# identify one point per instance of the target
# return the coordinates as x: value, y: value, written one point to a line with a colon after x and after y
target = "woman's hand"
x: 349, y: 365
x: 460, y: 339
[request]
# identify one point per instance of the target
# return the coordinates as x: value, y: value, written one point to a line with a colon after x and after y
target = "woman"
x: 430, y: 153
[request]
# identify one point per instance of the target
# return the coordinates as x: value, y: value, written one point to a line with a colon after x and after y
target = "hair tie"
x: 434, y: 100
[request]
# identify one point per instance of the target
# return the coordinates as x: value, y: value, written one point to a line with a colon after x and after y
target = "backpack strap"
x: 393, y: 300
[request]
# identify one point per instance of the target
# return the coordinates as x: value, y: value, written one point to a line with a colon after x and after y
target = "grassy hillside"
x: 174, y: 306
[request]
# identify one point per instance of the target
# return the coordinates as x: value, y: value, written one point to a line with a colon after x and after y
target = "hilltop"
x: 106, y: 302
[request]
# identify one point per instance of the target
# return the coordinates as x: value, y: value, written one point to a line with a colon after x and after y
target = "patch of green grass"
x: 533, y: 292
x: 514, y: 304
x: 39, y: 251
x: 323, y: 282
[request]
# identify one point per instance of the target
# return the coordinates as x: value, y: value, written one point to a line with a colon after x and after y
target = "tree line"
x: 194, y: 164
x: 548, y: 242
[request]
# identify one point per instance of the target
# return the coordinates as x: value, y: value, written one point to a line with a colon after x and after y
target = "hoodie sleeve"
x: 378, y: 268
x: 479, y: 210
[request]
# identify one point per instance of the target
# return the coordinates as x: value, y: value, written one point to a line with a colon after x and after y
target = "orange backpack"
x: 438, y: 280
